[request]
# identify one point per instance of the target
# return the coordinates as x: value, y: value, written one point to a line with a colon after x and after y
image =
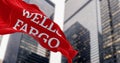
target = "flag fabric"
x: 19, y: 16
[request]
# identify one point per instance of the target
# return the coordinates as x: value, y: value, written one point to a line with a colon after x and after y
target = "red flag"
x: 18, y: 16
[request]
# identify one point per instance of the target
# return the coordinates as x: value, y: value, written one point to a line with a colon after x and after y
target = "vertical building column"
x: 95, y: 34
x: 3, y: 47
x: 59, y: 19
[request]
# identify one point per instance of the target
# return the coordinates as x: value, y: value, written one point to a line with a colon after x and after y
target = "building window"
x: 118, y: 52
x: 108, y: 56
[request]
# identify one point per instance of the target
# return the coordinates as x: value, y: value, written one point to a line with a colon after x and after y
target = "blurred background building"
x: 110, y: 19
x: 22, y: 48
x: 81, y: 29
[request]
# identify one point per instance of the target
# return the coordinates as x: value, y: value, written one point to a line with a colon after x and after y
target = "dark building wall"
x: 26, y: 56
x: 27, y: 47
x: 79, y: 37
x: 100, y: 47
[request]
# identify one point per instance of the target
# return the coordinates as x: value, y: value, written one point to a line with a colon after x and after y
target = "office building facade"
x: 22, y: 48
x: 81, y: 29
x: 110, y: 19
x: 79, y: 37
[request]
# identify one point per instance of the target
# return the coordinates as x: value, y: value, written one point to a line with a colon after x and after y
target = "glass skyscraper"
x: 31, y: 52
x: 110, y: 19
x: 79, y: 37
x: 81, y: 29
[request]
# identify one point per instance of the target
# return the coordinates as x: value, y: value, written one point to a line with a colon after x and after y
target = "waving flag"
x: 18, y: 16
